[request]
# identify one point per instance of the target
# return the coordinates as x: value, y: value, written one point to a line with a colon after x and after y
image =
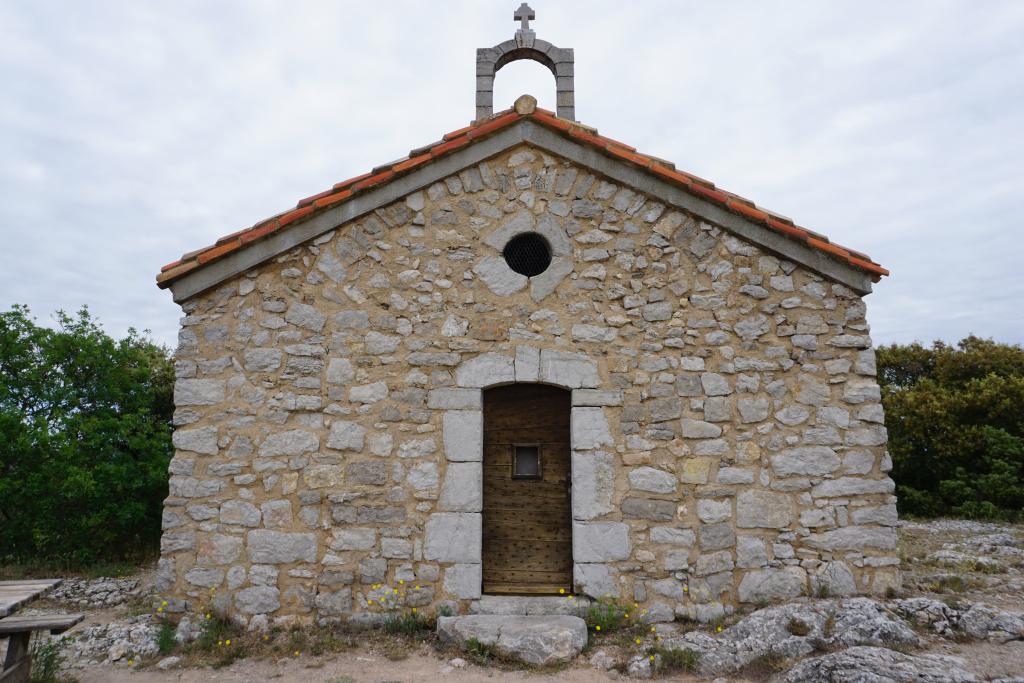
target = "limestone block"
x: 292, y: 442
x: 353, y: 538
x: 262, y: 360
x: 735, y: 475
x: 540, y: 641
x: 593, y: 483
x: 369, y: 393
x: 668, y: 535
x: 499, y: 278
x: 527, y: 364
x: 695, y: 470
x: 417, y: 448
x: 854, y: 538
x: 567, y: 369
x: 463, y: 581
x: 373, y: 473
x: 340, y: 371
x: 698, y: 429
x: 198, y: 392
x: 773, y: 585
x: 597, y: 397
x: 716, y: 536
x: 589, y: 429
x: 321, y: 476
x: 450, y: 398
x: 544, y: 284
x: 305, y: 316
x: 205, y: 577
x: 396, y: 548
x: 453, y: 537
x: 833, y: 580
x: 645, y: 508
x: 715, y: 384
x: 600, y: 541
x: 875, y: 435
x: 240, y: 513
x: 202, y: 440
x: 463, y: 489
x: 333, y: 603
x: 763, y: 509
x: 463, y: 434
x: 852, y: 486
x: 278, y: 547
x: 884, y: 515
x: 752, y: 409
x: 257, y: 600
x: 594, y: 580
x: 485, y: 370
x: 652, y: 480
x: 593, y: 333
x: 713, y: 563
x: 216, y: 549
x: 423, y: 476
x: 814, y: 461
x: 751, y: 552
x: 711, y: 511
x: 346, y: 436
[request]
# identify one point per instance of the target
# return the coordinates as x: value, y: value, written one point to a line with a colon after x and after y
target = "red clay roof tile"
x: 344, y: 190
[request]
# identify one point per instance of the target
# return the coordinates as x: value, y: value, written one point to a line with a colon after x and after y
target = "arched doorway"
x: 527, y: 528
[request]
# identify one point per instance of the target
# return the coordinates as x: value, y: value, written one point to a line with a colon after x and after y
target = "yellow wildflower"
x: 651, y: 658
x: 227, y: 642
x: 417, y: 587
x: 637, y: 641
x: 562, y: 591
x: 401, y: 582
x: 130, y: 662
x: 163, y: 603
x: 686, y: 589
x: 414, y: 610
x: 159, y: 609
x: 296, y: 653
x: 718, y: 629
x: 652, y: 629
x: 627, y: 615
x: 266, y: 637
x: 597, y: 628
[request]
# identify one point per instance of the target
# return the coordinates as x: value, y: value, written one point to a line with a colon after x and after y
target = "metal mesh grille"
x: 527, y: 254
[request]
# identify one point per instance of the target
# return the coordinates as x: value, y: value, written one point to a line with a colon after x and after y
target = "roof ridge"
x: 456, y: 139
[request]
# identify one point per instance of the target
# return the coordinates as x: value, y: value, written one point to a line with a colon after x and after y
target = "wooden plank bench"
x: 18, y: 663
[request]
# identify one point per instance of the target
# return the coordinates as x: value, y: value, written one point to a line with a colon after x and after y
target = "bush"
x: 956, y: 427
x: 85, y: 440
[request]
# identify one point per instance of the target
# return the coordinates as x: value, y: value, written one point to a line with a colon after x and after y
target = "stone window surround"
x: 455, y: 537
x: 496, y: 274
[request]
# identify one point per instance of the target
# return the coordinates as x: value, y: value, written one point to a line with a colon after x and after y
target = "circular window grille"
x: 527, y: 254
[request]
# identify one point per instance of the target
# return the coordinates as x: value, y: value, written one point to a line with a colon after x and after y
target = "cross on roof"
x: 524, y: 14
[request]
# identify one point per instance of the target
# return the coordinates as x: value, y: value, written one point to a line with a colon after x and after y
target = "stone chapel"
x: 525, y: 360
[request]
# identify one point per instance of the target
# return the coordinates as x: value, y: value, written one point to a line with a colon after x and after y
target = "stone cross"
x: 524, y: 14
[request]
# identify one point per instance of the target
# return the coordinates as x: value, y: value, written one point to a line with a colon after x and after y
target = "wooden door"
x: 527, y: 530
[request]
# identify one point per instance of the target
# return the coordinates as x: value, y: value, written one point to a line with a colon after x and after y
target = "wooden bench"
x: 18, y: 630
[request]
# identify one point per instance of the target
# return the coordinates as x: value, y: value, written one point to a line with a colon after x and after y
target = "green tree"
x: 85, y: 440
x: 955, y: 417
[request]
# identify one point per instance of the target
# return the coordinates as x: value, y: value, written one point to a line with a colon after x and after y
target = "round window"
x: 527, y: 254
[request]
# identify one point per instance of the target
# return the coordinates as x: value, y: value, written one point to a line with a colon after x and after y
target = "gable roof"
x: 357, y: 196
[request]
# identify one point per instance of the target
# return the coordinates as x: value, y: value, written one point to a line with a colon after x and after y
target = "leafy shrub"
x: 165, y: 641
x: 85, y: 440
x: 956, y: 427
x: 605, y: 616
x: 48, y: 662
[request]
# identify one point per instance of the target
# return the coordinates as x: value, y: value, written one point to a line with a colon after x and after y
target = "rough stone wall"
x: 727, y: 431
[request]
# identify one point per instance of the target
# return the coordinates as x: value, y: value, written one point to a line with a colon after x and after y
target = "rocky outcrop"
x: 877, y: 665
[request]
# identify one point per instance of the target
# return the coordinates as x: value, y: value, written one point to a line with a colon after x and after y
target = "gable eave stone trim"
x: 522, y: 132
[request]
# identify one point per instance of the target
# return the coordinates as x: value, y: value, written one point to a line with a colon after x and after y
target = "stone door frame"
x: 454, y: 534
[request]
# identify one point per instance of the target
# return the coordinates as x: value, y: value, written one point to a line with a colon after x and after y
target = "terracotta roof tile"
x: 342, y: 191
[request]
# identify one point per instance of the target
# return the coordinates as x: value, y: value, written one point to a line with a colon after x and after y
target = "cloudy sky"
x: 131, y: 132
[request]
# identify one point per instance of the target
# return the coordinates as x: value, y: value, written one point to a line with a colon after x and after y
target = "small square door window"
x: 526, y: 462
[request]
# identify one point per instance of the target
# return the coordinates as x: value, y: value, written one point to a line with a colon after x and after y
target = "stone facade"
x: 727, y: 431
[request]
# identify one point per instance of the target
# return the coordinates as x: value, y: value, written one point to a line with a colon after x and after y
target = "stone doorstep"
x: 532, y: 605
x: 537, y: 640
